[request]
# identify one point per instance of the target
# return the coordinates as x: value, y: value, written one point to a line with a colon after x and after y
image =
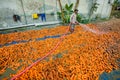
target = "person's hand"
x: 77, y: 23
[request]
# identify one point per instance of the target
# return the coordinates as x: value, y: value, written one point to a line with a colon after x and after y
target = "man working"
x: 73, y: 20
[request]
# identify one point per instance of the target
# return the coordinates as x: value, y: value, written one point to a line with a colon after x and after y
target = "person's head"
x: 76, y: 11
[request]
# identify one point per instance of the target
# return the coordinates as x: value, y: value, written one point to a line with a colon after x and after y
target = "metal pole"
x: 23, y: 11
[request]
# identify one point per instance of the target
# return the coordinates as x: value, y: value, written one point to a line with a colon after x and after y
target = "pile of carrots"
x: 31, y: 34
x: 83, y: 54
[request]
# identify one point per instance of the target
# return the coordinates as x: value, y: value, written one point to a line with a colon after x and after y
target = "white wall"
x: 103, y: 11
x: 13, y: 5
x: 34, y: 6
x: 9, y: 7
x: 104, y: 8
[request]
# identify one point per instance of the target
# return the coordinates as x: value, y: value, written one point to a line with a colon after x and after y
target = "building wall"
x: 104, y: 9
x: 10, y: 7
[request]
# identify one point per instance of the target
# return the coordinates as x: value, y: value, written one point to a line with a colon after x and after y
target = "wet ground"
x: 110, y: 25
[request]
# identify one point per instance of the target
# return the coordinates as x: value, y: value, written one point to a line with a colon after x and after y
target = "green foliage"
x: 68, y: 9
x: 67, y: 12
x: 78, y: 18
x: 93, y: 9
x: 85, y: 21
x: 114, y: 12
x: 116, y: 3
x: 59, y: 15
x: 67, y: 19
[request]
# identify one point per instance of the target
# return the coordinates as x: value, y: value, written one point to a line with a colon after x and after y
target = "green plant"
x: 67, y: 10
x: 115, y: 13
x: 59, y: 15
x: 79, y: 18
x: 115, y: 4
x: 85, y: 21
x: 93, y: 9
x: 67, y: 19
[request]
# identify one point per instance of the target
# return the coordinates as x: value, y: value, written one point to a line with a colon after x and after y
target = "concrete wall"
x: 7, y: 9
x: 104, y: 9
x: 10, y: 7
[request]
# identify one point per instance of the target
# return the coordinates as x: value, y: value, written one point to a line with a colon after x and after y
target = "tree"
x: 66, y: 11
x: 76, y: 4
x: 114, y: 5
x: 62, y: 12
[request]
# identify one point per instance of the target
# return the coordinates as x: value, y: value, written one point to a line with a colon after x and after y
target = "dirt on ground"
x: 111, y: 25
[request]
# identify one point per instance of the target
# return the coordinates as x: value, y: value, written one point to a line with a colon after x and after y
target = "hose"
x: 52, y: 50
